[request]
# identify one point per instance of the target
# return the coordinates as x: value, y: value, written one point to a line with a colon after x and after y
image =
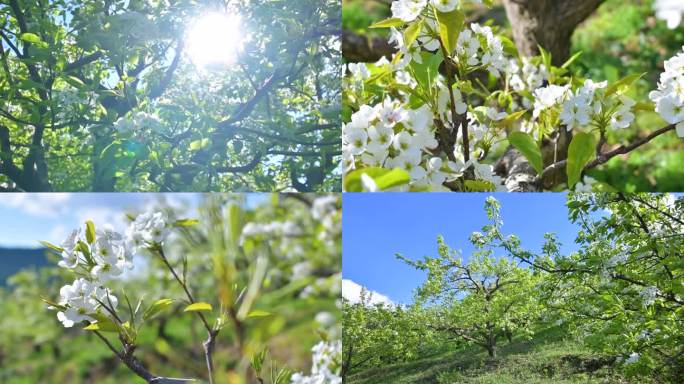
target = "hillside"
x: 14, y: 259
x: 547, y: 358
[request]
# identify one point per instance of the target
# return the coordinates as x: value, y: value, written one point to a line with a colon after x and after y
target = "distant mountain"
x: 14, y: 259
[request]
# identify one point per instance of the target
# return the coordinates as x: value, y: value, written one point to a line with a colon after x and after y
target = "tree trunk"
x: 347, y: 362
x: 549, y: 24
x: 491, y: 340
x: 360, y: 48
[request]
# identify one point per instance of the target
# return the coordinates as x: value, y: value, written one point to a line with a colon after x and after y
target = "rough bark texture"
x: 549, y: 24
x: 360, y: 48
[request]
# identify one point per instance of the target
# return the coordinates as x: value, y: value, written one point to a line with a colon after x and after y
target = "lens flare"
x: 214, y: 39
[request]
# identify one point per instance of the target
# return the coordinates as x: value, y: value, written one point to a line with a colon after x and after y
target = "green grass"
x: 548, y: 358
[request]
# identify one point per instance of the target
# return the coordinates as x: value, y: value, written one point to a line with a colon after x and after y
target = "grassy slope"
x: 547, y: 358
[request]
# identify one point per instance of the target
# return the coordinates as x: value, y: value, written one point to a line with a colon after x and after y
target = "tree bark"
x: 549, y: 24
x: 360, y: 48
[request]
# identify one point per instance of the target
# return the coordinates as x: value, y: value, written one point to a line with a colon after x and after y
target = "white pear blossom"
x: 407, y: 10
x: 633, y: 358
x: 148, y: 227
x: 326, y: 367
x: 70, y: 257
x: 81, y: 299
x: 445, y: 5
x: 671, y: 11
x: 669, y: 97
x: 548, y: 97
x: 110, y: 253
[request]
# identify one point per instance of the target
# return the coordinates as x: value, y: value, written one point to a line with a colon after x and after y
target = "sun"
x: 214, y: 39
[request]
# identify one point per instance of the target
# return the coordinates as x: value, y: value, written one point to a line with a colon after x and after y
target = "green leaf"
x: 186, y: 222
x: 621, y: 86
x: 30, y: 38
x: 450, y: 26
x: 103, y: 324
x: 90, y: 231
x: 53, y: 304
x: 109, y: 92
x: 83, y: 247
x: 479, y: 186
x: 51, y: 246
x: 199, y: 144
x: 571, y: 60
x: 529, y: 148
x: 235, y: 222
x: 387, y: 23
x: 545, y: 55
x: 509, y: 46
x: 28, y: 84
x: 75, y: 82
x: 258, y: 313
x: 393, y: 178
x: 198, y: 307
x: 384, y: 178
x: 156, y: 308
x: 582, y: 150
x: 645, y: 106
x: 511, y: 118
x: 426, y: 72
x: 411, y: 33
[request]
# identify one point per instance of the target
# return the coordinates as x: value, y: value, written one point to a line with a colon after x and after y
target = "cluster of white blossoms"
x: 669, y: 97
x: 274, y: 228
x: 101, y: 257
x: 649, y: 295
x: 587, y: 104
x: 479, y: 47
x: 138, y: 123
x: 527, y: 76
x: 672, y: 11
x: 326, y: 367
x: 391, y: 136
x: 81, y: 299
x: 409, y: 10
x: 68, y: 100
x: 325, y: 210
x: 632, y: 358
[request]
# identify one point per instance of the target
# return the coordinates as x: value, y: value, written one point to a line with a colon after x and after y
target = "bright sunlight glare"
x: 214, y: 39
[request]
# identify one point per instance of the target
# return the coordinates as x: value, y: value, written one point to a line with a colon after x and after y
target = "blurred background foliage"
x: 620, y: 38
x: 298, y: 300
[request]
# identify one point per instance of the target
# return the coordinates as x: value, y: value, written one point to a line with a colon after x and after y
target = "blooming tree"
x: 440, y: 114
x: 105, y: 96
x: 621, y: 291
x: 479, y: 300
x: 264, y: 268
x: 380, y: 334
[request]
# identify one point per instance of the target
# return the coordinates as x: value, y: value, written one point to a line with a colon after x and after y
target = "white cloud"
x: 352, y: 292
x: 58, y: 233
x: 101, y: 216
x: 37, y: 204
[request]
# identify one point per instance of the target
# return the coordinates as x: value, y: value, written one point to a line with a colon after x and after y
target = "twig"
x: 605, y: 157
x: 211, y: 339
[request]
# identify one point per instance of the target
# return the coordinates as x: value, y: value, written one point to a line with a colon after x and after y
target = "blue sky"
x: 26, y: 218
x: 377, y: 226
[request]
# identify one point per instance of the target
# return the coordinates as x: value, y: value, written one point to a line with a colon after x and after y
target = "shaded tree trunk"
x: 549, y: 24
x: 491, y: 341
x: 361, y: 48
x: 347, y: 362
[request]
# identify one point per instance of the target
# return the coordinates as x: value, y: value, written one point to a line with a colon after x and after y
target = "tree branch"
x: 605, y: 157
